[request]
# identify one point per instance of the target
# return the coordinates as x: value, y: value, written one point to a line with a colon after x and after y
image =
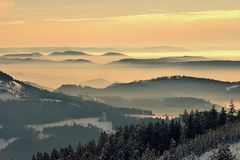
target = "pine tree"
x: 182, y: 139
x: 231, y: 112
x: 223, y: 153
x: 171, y: 155
x: 238, y: 115
x: 39, y: 156
x: 135, y: 155
x: 213, y: 118
x: 46, y: 156
x: 192, y: 157
x: 184, y: 117
x: 120, y: 155
x: 54, y: 155
x: 222, y: 117
x: 148, y: 154
x: 34, y: 158
x: 197, y: 124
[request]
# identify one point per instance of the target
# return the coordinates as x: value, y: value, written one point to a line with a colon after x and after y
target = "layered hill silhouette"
x: 159, y: 61
x: 161, y: 95
x: 161, y: 87
x: 31, y: 55
x: 95, y: 49
x: 23, y: 105
x: 41, y: 61
x: 97, y: 83
x: 69, y: 53
x: 114, y: 54
x: 188, y: 61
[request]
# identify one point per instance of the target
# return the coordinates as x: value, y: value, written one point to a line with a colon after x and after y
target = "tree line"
x: 167, y: 139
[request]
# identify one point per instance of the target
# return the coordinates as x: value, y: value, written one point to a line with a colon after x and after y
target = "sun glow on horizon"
x: 185, y: 28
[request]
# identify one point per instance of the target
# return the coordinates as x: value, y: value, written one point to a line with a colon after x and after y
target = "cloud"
x: 6, y: 4
x: 78, y: 19
x: 174, y: 16
x: 13, y: 22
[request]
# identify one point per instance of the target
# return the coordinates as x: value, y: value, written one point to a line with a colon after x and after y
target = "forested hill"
x: 32, y: 103
x: 185, y: 61
x: 33, y: 119
x: 189, y: 135
x: 161, y: 87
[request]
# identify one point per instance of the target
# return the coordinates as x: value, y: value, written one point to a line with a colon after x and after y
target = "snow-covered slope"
x: 235, y: 149
x: 5, y: 143
x: 10, y: 89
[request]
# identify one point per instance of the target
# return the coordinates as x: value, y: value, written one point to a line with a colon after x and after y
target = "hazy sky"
x: 184, y: 23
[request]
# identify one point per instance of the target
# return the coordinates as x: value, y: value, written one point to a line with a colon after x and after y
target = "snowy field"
x: 143, y: 116
x: 235, y: 149
x: 5, y: 143
x: 85, y: 122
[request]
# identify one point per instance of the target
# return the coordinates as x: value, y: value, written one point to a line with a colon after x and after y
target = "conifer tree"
x: 222, y: 117
x: 171, y: 155
x: 54, y: 155
x: 223, y: 153
x: 231, y: 112
x: 213, y: 118
x: 148, y: 154
x: 238, y: 115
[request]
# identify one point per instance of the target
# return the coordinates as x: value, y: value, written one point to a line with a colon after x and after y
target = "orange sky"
x: 116, y: 23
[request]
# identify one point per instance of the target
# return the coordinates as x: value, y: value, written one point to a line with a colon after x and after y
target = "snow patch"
x: 40, y: 135
x: 7, y: 97
x: 5, y: 143
x: 143, y: 116
x: 235, y: 149
x: 10, y: 90
x: 232, y: 87
x: 85, y: 122
x: 51, y: 100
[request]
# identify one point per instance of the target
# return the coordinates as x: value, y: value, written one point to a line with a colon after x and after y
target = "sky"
x: 182, y: 23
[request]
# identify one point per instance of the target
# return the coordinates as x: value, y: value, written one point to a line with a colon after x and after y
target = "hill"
x: 161, y: 60
x: 32, y: 55
x: 68, y: 53
x: 114, y: 54
x: 76, y: 61
x: 38, y: 86
x: 34, y: 119
x: 161, y: 95
x: 41, y: 61
x: 24, y: 60
x: 185, y: 61
x: 97, y: 83
x: 159, y: 87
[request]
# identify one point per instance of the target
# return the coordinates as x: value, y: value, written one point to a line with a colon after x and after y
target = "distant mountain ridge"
x: 185, y: 61
x: 97, y: 83
x: 69, y: 53
x: 97, y: 49
x: 161, y: 60
x: 161, y: 87
x: 114, y: 54
x: 41, y: 61
x: 76, y: 61
x: 30, y: 55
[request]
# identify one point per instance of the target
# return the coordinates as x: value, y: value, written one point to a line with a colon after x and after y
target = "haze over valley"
x: 119, y: 80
